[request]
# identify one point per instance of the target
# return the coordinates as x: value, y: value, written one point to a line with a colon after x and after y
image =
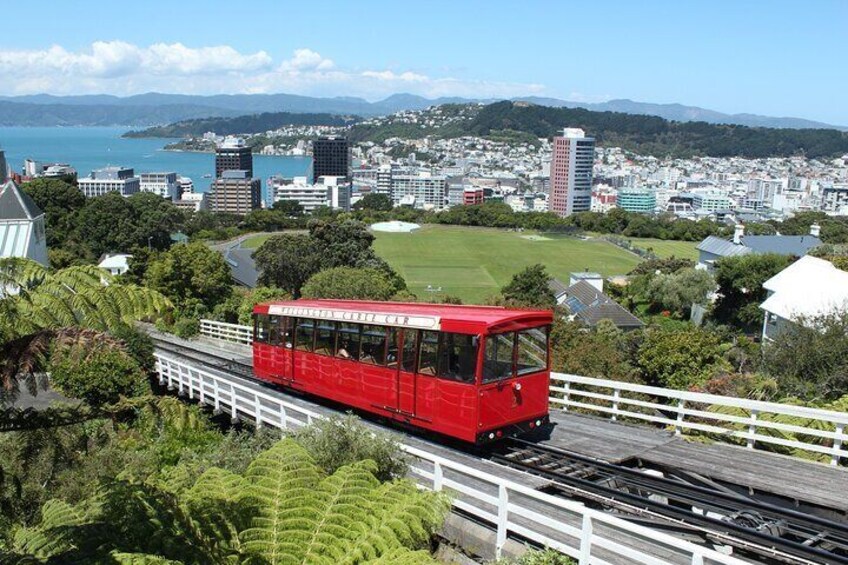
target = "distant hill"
x: 102, y: 109
x: 254, y: 123
x: 647, y: 135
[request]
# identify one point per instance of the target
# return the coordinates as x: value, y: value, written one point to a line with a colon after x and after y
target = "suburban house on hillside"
x: 808, y: 288
x: 585, y: 302
x: 714, y: 248
x: 21, y: 225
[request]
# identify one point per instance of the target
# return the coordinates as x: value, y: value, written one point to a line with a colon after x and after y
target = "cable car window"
x: 373, y: 348
x: 497, y: 361
x: 325, y: 338
x: 410, y: 350
x: 304, y: 334
x: 532, y: 350
x: 261, y: 328
x: 458, y: 357
x: 287, y: 332
x: 347, y: 341
x: 428, y: 353
x: 392, y: 353
x: 274, y: 330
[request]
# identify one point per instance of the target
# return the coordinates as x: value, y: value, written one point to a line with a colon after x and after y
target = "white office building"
x: 423, y: 190
x: 110, y: 179
x: 330, y: 191
x: 163, y: 184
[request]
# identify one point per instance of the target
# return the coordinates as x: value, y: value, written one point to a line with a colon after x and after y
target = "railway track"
x: 722, y: 517
x: 757, y: 529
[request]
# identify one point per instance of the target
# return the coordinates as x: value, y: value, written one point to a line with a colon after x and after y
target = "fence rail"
x: 754, y: 423
x: 590, y: 536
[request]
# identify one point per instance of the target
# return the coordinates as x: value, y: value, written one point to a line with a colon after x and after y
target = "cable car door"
x: 404, y: 346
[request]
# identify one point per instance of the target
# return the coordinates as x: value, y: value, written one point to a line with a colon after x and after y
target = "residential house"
x: 587, y: 304
x: 808, y: 288
x: 22, y: 231
x: 714, y: 248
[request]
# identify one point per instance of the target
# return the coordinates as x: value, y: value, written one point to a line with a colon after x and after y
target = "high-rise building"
x: 233, y: 155
x: 331, y: 158
x: 334, y: 192
x: 235, y: 192
x: 421, y: 190
x: 110, y: 179
x: 163, y: 184
x: 571, y: 172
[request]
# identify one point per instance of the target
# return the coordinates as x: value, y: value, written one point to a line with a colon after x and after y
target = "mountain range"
x: 156, y: 108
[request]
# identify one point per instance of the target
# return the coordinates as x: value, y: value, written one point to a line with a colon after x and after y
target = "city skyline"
x: 754, y: 57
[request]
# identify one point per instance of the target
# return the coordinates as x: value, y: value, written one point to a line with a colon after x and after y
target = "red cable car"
x: 476, y: 373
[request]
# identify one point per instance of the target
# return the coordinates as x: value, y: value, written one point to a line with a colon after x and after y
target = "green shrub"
x: 138, y: 345
x: 98, y: 376
x: 186, y: 327
x: 338, y: 441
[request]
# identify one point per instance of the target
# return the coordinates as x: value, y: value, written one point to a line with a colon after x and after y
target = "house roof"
x: 809, y: 287
x: 722, y: 247
x: 114, y: 261
x: 590, y: 305
x: 797, y: 245
x: 16, y: 204
x: 557, y: 287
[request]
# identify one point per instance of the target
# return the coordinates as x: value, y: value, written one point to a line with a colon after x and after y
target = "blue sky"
x: 767, y: 57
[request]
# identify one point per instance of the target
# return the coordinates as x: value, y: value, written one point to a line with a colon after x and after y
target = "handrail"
x: 682, y: 410
x: 590, y: 536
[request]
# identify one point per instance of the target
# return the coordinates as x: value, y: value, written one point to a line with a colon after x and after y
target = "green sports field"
x: 665, y: 249
x: 474, y: 263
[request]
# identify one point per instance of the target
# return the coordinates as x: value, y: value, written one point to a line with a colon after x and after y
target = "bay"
x: 88, y: 148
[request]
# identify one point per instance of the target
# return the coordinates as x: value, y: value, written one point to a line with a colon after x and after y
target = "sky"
x: 770, y: 57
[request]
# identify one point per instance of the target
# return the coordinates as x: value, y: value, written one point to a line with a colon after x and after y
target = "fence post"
x: 616, y: 394
x: 566, y: 395
x: 503, y: 512
x: 284, y: 424
x: 752, y: 428
x: 438, y: 476
x: 202, y: 388
x: 258, y: 408
x: 837, y: 444
x: 586, y: 540
x: 233, y: 402
x: 697, y: 559
x: 681, y: 405
x: 217, y: 394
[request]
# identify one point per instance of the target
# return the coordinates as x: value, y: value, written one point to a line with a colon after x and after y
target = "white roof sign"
x: 359, y: 316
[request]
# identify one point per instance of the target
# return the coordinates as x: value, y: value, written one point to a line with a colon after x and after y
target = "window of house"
x: 304, y: 334
x: 347, y: 341
x: 497, y: 360
x: 458, y: 357
x: 532, y: 351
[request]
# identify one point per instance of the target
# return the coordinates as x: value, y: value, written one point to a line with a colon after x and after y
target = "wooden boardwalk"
x: 757, y: 472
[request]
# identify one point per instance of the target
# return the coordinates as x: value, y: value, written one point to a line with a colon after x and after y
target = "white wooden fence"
x: 590, y: 536
x: 227, y: 332
x: 757, y: 424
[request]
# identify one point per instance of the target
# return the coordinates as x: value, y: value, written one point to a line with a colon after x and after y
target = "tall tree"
x: 740, y: 288
x: 349, y: 283
x: 191, y: 275
x: 287, y: 261
x: 375, y: 202
x: 680, y: 359
x: 59, y: 200
x: 529, y: 288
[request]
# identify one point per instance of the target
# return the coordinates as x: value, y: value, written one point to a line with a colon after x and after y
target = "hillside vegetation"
x: 254, y: 123
x: 647, y: 135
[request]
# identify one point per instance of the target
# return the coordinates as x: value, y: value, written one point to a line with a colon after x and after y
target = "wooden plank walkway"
x: 807, y: 482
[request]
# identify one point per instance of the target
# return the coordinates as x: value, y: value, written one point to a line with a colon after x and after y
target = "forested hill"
x: 651, y: 135
x: 254, y: 123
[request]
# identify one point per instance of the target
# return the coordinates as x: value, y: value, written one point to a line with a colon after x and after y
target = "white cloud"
x: 118, y: 67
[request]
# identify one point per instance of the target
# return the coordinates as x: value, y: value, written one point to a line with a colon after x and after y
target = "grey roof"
x: 722, y: 247
x: 242, y: 266
x: 16, y: 204
x: 797, y: 245
x: 589, y: 305
x: 557, y: 287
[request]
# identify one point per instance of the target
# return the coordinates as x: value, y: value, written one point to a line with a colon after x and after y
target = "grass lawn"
x: 474, y: 263
x: 255, y: 241
x: 665, y: 249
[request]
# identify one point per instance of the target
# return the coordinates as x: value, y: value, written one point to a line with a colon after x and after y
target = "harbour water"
x: 87, y: 148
